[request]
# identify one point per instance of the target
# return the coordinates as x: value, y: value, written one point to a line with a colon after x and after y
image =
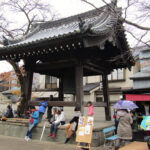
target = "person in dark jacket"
x: 49, y: 111
x: 34, y: 120
x: 9, y: 112
x: 145, y: 109
x: 72, y: 127
x: 42, y: 109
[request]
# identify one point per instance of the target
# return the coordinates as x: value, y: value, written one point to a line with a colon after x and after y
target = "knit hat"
x: 58, y: 108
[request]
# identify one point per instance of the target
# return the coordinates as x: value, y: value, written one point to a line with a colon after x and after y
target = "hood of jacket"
x: 121, y: 113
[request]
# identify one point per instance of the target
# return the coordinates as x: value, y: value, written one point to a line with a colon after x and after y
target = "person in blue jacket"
x: 42, y: 109
x: 34, y: 120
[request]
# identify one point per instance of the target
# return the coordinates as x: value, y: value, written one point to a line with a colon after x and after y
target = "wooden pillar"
x: 28, y: 86
x: 106, y: 97
x: 79, y: 86
x: 61, y: 94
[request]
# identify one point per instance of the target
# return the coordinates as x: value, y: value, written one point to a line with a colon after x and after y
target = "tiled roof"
x: 95, y: 22
x: 90, y: 86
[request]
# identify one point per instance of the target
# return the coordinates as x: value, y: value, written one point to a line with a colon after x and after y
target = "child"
x: 42, y: 109
x: 72, y: 127
x: 34, y: 120
x: 90, y: 109
x: 59, y: 120
x: 90, y: 113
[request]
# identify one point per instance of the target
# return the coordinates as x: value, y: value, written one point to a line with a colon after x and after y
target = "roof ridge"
x: 66, y: 20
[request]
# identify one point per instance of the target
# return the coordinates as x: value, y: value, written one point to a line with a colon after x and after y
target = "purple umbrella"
x: 125, y: 104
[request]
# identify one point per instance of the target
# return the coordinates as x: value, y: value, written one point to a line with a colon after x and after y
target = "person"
x: 53, y: 118
x: 134, y: 124
x: 90, y: 113
x: 115, y: 120
x: 42, y: 109
x: 124, y: 130
x: 34, y: 120
x: 145, y: 109
x: 59, y: 120
x: 49, y: 111
x: 72, y: 127
x: 90, y: 109
x: 9, y: 112
x: 18, y: 103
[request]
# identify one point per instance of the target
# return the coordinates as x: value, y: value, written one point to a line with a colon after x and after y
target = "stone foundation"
x: 19, y: 130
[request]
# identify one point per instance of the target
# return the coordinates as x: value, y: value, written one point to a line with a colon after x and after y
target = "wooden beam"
x: 96, y: 64
x: 54, y: 103
x: 52, y: 66
x: 106, y: 97
x: 93, y: 69
x: 79, y: 86
x: 68, y: 104
x: 45, y: 90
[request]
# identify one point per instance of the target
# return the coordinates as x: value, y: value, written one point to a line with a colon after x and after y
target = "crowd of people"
x: 128, y: 122
x: 57, y: 119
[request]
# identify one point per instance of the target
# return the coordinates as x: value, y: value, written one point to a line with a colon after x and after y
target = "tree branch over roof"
x: 123, y: 19
x: 135, y: 25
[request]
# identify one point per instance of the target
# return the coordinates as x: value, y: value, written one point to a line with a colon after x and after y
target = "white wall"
x: 42, y: 82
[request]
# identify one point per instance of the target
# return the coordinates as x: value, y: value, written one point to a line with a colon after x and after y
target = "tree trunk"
x: 25, y: 80
x: 26, y: 91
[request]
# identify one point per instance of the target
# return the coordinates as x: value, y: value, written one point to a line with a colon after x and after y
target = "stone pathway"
x: 7, y: 143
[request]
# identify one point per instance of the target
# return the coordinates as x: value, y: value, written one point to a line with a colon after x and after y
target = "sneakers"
x: 27, y: 138
x: 50, y: 134
x: 54, y: 136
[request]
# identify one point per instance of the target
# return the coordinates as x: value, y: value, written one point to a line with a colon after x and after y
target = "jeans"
x: 40, y: 116
x: 54, y: 127
x: 29, y: 131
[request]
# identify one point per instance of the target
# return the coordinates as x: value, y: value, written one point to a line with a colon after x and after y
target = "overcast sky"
x: 68, y: 8
x: 65, y: 8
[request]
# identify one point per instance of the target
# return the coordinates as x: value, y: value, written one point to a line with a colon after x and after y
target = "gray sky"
x: 65, y: 8
x: 71, y: 7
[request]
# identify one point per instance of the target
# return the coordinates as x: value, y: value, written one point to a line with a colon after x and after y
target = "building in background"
x: 43, y: 86
x: 119, y: 80
x: 141, y: 76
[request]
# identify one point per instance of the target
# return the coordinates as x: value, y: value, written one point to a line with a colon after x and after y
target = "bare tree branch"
x: 123, y: 19
x: 135, y: 25
x: 33, y: 10
x: 138, y: 39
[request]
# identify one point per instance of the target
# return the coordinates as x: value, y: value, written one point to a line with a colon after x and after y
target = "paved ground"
x: 11, y: 143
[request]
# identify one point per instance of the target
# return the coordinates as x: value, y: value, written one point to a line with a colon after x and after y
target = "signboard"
x: 85, y: 129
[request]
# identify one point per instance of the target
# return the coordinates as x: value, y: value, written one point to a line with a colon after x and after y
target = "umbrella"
x: 125, y: 104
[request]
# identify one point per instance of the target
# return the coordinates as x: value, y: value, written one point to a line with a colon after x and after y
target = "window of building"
x: 50, y: 82
x: 99, y: 99
x: 117, y: 75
